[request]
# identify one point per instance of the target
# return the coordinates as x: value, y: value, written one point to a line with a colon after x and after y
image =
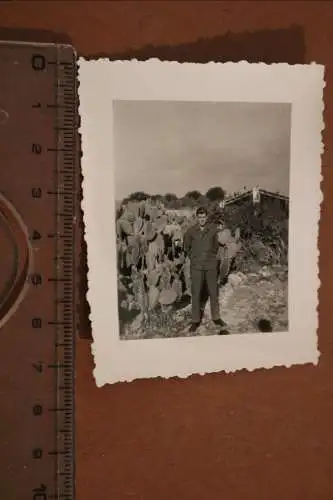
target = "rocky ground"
x: 249, y: 303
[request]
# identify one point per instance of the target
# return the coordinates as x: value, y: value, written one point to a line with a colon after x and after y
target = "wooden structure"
x: 257, y: 196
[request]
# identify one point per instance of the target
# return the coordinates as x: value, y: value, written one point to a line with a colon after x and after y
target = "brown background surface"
x: 263, y: 435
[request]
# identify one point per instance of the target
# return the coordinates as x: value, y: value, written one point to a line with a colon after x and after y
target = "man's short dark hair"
x: 202, y: 211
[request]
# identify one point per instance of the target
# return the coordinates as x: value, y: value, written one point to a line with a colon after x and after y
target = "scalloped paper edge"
x: 100, y: 82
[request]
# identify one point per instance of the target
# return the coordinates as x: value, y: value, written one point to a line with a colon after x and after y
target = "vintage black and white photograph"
x: 202, y: 205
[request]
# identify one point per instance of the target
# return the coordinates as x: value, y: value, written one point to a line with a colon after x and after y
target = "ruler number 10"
x: 38, y: 62
x: 39, y: 493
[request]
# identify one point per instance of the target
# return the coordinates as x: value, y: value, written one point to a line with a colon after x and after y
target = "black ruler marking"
x: 62, y: 195
x: 66, y: 288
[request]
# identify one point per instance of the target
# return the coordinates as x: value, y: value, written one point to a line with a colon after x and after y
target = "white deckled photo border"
x: 100, y: 83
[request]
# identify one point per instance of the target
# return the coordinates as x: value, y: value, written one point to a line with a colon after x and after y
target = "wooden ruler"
x: 38, y: 203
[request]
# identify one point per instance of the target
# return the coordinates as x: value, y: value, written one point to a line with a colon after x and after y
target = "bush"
x: 215, y: 194
x: 263, y: 231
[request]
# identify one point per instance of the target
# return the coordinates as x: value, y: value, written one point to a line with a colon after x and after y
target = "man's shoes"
x: 220, y: 323
x: 194, y: 327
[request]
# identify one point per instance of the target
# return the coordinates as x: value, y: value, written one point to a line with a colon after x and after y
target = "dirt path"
x: 245, y: 301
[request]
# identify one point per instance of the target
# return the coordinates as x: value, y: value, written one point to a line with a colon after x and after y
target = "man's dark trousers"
x: 198, y: 278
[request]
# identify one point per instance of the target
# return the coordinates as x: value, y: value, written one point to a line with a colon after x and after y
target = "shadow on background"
x: 35, y: 36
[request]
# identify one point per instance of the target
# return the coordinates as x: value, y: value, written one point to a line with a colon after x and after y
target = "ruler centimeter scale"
x: 41, y: 79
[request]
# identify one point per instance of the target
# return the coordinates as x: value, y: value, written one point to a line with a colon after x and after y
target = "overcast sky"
x: 175, y: 147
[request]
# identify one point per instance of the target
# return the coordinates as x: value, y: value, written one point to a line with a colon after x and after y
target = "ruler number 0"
x: 38, y: 62
x: 37, y: 410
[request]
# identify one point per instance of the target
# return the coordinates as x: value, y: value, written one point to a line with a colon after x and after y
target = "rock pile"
x: 249, y: 303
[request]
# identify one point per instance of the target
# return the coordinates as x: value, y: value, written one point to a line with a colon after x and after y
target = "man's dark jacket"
x: 202, y: 246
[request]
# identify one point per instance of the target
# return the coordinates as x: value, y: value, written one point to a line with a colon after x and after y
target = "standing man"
x: 201, y: 245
